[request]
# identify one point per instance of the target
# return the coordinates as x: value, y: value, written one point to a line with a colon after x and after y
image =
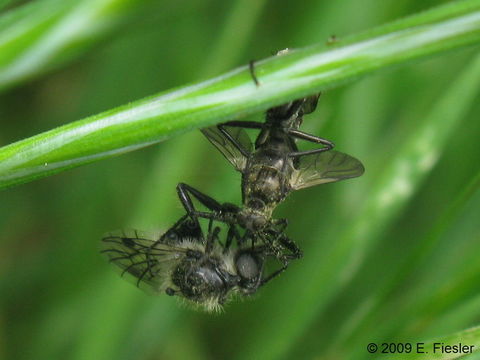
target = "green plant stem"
x: 149, y: 121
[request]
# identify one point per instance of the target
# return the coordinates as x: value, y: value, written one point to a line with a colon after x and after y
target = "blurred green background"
x: 407, y: 270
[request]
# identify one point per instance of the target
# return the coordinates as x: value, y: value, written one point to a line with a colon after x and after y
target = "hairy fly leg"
x: 184, y: 191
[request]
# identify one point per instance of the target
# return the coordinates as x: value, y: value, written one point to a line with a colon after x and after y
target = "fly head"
x: 290, y: 115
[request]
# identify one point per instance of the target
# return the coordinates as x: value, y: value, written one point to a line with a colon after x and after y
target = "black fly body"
x: 273, y: 166
x: 182, y: 262
x: 268, y: 168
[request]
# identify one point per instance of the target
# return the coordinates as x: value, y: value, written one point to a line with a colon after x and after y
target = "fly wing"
x: 148, y: 262
x: 228, y: 147
x: 325, y: 167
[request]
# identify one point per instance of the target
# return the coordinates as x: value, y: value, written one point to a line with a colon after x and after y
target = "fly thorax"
x: 199, y: 279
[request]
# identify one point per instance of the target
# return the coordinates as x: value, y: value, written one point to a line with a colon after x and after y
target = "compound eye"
x: 247, y: 266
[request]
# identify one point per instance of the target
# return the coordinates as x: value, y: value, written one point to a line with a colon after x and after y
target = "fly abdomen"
x: 264, y: 182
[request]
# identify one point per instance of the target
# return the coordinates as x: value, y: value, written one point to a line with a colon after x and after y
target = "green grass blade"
x: 6, y: 4
x: 368, y: 312
x: 43, y: 34
x: 422, y: 309
x: 234, y: 36
x: 401, y: 178
x: 305, y: 71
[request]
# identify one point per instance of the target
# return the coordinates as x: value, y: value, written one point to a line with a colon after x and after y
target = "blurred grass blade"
x: 297, y: 74
x: 420, y: 310
x: 368, y: 312
x: 401, y: 178
x: 40, y: 35
x: 466, y: 337
x: 5, y: 4
x: 234, y: 36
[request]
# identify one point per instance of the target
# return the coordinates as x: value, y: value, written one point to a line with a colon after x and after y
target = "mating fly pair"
x: 206, y: 270
x: 271, y: 168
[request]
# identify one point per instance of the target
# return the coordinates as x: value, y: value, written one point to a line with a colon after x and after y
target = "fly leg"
x: 280, y: 242
x: 221, y: 212
x: 289, y: 244
x: 231, y: 234
x: 275, y: 273
x: 184, y: 192
x: 281, y: 223
x: 248, y: 235
x: 211, y: 237
x: 260, y: 280
x: 295, y: 253
x: 328, y: 145
x: 240, y: 124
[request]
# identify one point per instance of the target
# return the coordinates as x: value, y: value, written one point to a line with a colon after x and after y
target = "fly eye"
x: 247, y: 266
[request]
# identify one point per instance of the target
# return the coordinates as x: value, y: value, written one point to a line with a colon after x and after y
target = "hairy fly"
x: 183, y: 262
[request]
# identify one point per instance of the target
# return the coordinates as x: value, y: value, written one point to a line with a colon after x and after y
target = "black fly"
x: 182, y: 262
x: 273, y: 166
x: 271, y: 169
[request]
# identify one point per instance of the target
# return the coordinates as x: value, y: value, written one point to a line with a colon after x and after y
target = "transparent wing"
x: 147, y: 261
x: 227, y: 147
x: 325, y: 167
